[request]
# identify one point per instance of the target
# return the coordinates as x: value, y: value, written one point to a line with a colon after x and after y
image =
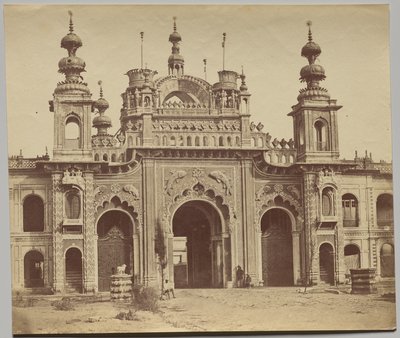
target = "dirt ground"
x: 256, y: 309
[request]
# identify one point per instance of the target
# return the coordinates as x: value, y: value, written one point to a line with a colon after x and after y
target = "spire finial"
x: 309, y: 24
x: 223, y: 50
x: 174, y: 23
x: 205, y: 69
x: 101, y: 88
x: 141, y: 49
x: 71, y: 24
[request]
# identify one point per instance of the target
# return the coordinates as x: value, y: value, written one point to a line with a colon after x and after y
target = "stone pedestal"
x: 363, y: 281
x: 121, y: 287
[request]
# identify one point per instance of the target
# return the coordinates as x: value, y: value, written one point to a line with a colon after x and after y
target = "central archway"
x: 115, y: 245
x: 198, y: 246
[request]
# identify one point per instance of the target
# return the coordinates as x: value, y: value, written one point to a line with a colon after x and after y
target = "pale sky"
x: 266, y: 40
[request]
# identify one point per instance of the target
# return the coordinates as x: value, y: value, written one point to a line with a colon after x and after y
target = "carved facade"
x: 188, y: 162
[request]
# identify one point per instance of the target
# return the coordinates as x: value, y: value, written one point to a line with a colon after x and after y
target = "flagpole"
x: 223, y: 50
x: 141, y: 49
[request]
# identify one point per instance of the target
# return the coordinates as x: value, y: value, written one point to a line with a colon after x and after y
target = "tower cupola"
x: 101, y: 122
x: 175, y: 60
x: 312, y: 73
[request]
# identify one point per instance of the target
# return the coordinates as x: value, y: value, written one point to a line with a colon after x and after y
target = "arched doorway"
x: 351, y: 257
x: 73, y: 270
x: 33, y: 269
x: 115, y: 244
x: 277, y: 248
x: 198, y: 246
x: 326, y: 264
x: 387, y: 260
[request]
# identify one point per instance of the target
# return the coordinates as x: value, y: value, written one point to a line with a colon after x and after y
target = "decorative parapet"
x: 19, y: 162
x: 281, y: 153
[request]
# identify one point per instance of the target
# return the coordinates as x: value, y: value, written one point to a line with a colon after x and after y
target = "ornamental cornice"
x: 192, y: 153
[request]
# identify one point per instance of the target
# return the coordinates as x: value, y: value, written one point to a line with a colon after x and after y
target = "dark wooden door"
x: 114, y: 249
x: 277, y: 256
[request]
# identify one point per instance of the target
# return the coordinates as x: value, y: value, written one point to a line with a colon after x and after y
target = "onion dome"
x: 71, y: 41
x: 101, y: 104
x: 243, y: 86
x: 312, y: 72
x: 72, y: 66
x: 175, y: 36
x: 101, y: 122
x: 71, y: 62
x: 175, y: 60
x: 310, y: 50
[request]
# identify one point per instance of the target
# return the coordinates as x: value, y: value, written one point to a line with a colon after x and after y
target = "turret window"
x: 72, y: 132
x: 321, y: 136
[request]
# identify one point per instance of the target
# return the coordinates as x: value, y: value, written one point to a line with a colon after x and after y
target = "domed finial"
x: 71, y: 24
x: 309, y: 24
x: 101, y: 88
x: 174, y: 23
x: 243, y: 86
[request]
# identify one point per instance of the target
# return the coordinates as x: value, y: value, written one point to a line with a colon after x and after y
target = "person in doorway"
x: 239, y: 276
x: 247, y: 281
x: 168, y: 290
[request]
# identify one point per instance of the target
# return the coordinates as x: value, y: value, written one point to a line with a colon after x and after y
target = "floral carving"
x: 264, y: 190
x: 294, y: 191
x: 175, y: 176
x: 131, y: 189
x: 278, y: 188
x: 220, y: 177
x: 115, y: 188
x: 197, y: 173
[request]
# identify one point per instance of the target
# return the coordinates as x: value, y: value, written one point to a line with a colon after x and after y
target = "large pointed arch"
x: 186, y: 88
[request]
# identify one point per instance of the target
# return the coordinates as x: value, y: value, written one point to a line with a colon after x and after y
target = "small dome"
x: 101, y: 120
x: 175, y: 57
x: 313, y: 71
x: 71, y: 41
x: 175, y: 37
x: 101, y: 104
x: 71, y: 62
x: 311, y: 49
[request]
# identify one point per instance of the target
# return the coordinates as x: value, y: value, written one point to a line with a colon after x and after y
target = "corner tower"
x: 315, y: 114
x: 72, y: 105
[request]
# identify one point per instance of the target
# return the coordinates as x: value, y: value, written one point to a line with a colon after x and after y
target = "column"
x: 310, y: 214
x: 89, y: 237
x: 296, y: 257
x: 58, y: 254
x: 149, y: 222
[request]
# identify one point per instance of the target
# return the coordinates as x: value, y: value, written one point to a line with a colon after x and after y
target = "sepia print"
x: 242, y: 181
